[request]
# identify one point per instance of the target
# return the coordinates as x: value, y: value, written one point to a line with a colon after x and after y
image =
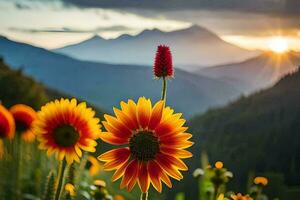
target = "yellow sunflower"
x: 64, y: 128
x: 70, y: 189
x: 24, y: 117
x: 94, y: 165
x: 222, y: 197
x: 153, y: 140
x: 239, y: 196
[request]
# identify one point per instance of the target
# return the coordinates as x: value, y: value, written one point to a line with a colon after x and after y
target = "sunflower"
x: 24, y: 117
x: 70, y: 189
x: 260, y: 180
x: 239, y: 196
x: 7, y: 124
x: 64, y: 128
x: 153, y: 140
x: 94, y: 165
x: 219, y: 165
x: 7, y: 127
x: 221, y: 197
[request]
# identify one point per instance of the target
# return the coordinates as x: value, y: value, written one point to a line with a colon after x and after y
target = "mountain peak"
x: 150, y: 32
x: 196, y: 29
x: 96, y: 37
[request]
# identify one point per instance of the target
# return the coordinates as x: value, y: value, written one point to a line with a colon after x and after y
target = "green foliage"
x: 258, y: 133
x: 17, y: 88
x: 179, y: 196
x: 49, y: 186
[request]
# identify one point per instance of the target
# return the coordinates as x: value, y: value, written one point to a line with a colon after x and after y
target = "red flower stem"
x: 164, y: 89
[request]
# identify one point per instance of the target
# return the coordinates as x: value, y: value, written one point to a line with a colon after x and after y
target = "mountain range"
x: 192, y: 48
x: 255, y: 73
x: 105, y: 85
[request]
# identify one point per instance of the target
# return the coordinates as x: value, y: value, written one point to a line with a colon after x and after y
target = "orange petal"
x: 125, y: 119
x: 164, y: 129
x: 155, y: 173
x: 143, y: 111
x: 168, y: 167
x: 177, y: 163
x: 165, y: 178
x: 120, y: 129
x: 112, y: 139
x: 156, y: 115
x: 144, y: 179
x: 178, y: 144
x: 114, y: 154
x: 179, y: 153
x: 173, y: 132
x: 114, y: 164
x: 175, y: 138
x: 130, y: 109
x: 167, y: 113
x: 119, y: 172
x: 130, y: 171
x: 133, y: 181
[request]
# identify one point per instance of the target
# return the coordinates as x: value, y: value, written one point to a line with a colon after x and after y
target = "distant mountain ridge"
x: 192, y: 47
x: 105, y: 85
x: 255, y: 73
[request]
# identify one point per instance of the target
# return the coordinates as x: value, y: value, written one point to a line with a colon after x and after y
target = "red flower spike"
x: 163, y: 66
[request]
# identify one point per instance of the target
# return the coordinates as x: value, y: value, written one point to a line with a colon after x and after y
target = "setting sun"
x: 278, y: 45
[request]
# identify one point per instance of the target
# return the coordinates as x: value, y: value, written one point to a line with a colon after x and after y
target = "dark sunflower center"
x: 21, y: 126
x: 65, y: 136
x: 144, y: 146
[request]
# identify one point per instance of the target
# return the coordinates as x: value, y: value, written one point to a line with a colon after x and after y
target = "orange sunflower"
x: 7, y: 124
x: 239, y: 196
x: 154, y: 140
x: 24, y: 117
x: 260, y: 180
x: 64, y: 128
x: 7, y: 127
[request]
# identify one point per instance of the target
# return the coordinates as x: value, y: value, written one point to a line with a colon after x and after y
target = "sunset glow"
x: 278, y: 45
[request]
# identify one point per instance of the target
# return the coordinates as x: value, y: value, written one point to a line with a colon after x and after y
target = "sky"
x: 251, y: 24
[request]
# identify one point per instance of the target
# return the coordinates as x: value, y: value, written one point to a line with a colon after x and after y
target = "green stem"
x: 144, y: 196
x: 164, y: 89
x: 59, y: 179
x: 217, y: 188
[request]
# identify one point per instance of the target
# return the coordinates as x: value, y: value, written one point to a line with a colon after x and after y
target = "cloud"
x: 116, y: 28
x: 22, y: 6
x: 278, y: 7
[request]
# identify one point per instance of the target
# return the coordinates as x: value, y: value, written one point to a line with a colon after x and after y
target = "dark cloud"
x: 278, y: 7
x: 72, y: 30
x: 21, y: 6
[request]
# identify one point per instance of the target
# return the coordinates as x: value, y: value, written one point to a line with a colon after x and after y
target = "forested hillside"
x: 259, y: 133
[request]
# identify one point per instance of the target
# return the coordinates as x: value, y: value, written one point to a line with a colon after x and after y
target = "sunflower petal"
x: 168, y: 167
x: 155, y: 173
x: 130, y: 171
x: 114, y: 154
x: 156, y: 115
x: 112, y: 139
x: 143, y: 111
x: 179, y: 153
x: 144, y: 179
